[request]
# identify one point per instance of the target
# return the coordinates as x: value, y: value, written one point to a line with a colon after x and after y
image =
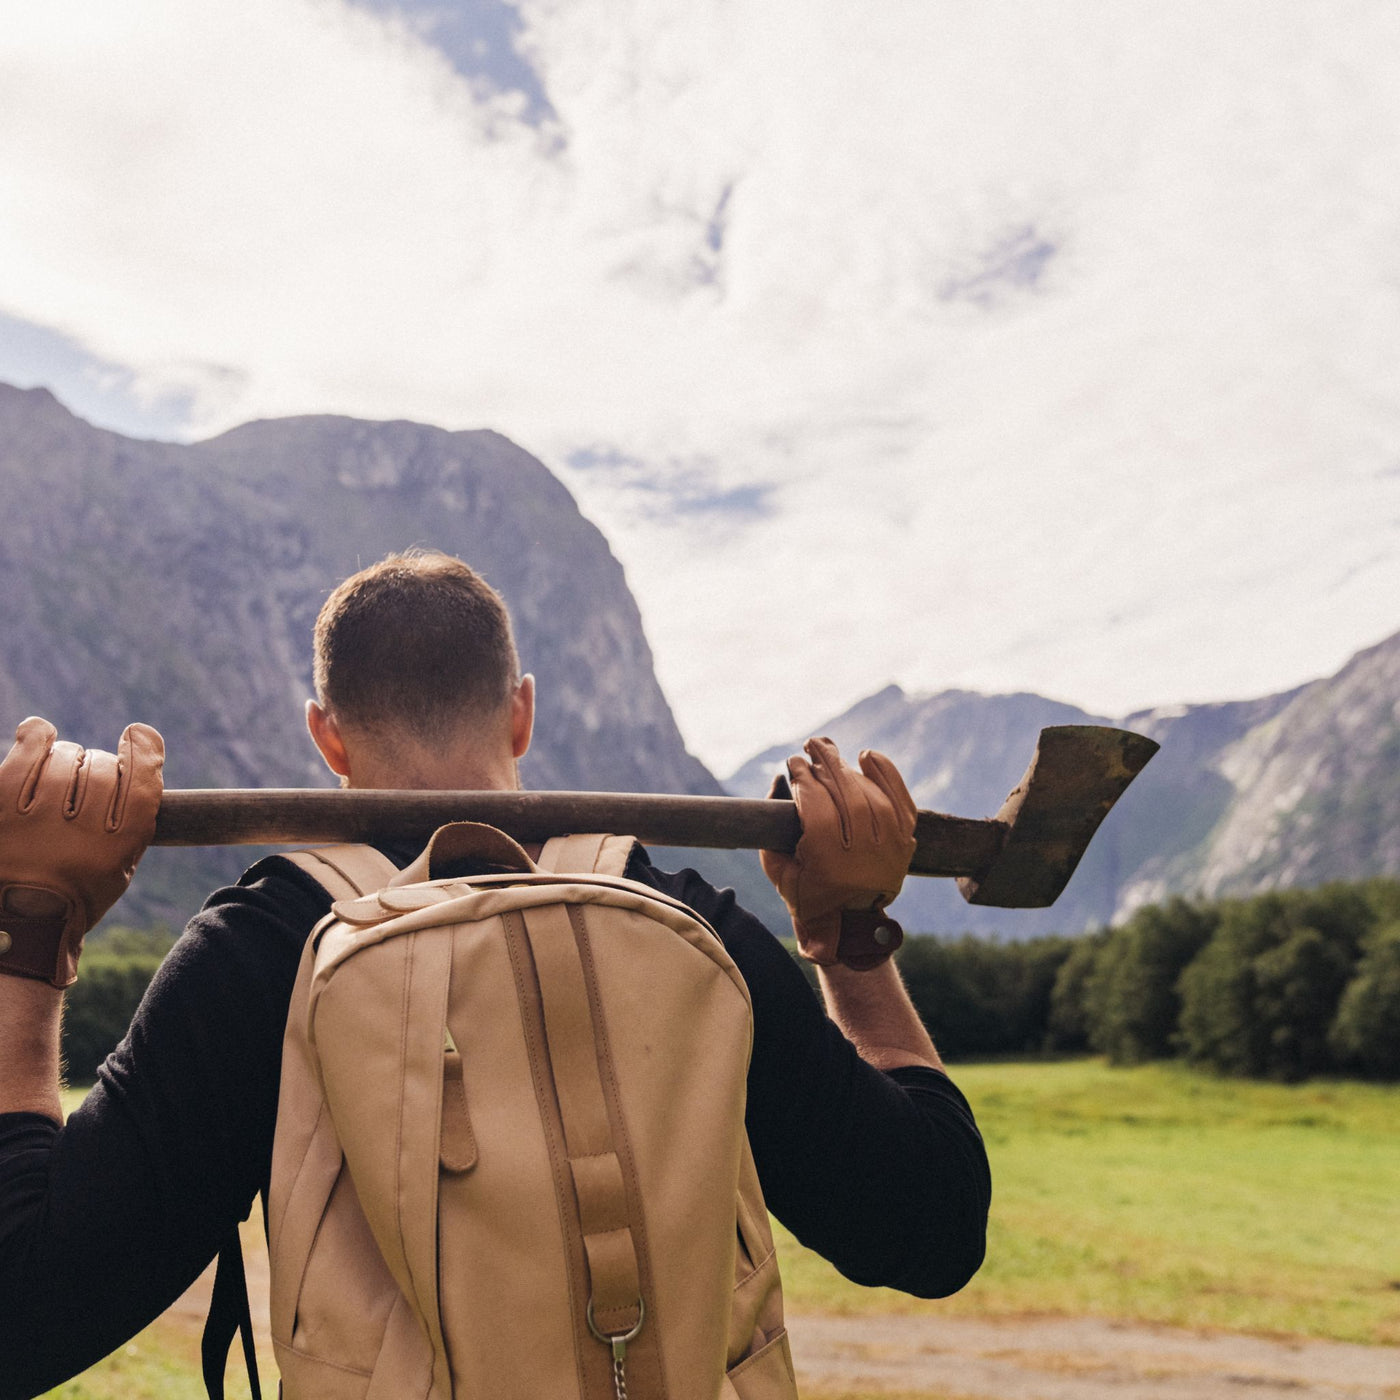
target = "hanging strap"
x: 228, y: 1313
x: 608, y: 1240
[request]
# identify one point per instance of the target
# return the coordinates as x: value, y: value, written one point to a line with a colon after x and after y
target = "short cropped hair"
x: 417, y: 644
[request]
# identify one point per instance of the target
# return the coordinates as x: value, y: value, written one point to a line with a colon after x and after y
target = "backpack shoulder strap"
x: 589, y: 854
x: 345, y: 871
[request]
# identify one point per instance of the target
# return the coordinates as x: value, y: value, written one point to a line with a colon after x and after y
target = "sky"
x: 976, y: 344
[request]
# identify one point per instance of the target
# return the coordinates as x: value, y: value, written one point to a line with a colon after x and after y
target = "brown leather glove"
x: 857, y: 841
x: 73, y: 824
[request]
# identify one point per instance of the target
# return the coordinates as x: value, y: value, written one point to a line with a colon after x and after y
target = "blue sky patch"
x: 481, y: 39
x: 33, y: 356
x: 1014, y: 262
x: 678, y: 488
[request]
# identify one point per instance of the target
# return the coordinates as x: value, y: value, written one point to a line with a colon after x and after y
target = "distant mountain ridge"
x: 178, y: 584
x: 1297, y: 788
x: 1290, y: 789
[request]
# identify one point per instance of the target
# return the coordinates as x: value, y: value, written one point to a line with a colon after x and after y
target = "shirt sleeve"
x: 105, y: 1221
x: 883, y: 1174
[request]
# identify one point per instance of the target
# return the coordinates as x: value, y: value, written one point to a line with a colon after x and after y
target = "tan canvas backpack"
x: 510, y: 1158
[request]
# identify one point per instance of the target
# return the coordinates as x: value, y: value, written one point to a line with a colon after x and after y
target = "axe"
x: 1020, y: 859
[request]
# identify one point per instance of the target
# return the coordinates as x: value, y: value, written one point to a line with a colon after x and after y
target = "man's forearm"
x: 875, y: 1014
x: 30, y: 1013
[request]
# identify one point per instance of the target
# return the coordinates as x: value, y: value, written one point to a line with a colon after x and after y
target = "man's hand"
x: 857, y: 841
x: 73, y: 824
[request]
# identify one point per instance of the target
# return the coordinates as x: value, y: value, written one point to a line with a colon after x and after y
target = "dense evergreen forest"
x: 1278, y: 986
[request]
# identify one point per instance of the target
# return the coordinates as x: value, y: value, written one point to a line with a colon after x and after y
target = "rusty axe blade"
x: 1079, y: 771
x: 1016, y: 866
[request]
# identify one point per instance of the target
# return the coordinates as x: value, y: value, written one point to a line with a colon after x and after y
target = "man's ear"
x: 522, y: 717
x: 325, y: 734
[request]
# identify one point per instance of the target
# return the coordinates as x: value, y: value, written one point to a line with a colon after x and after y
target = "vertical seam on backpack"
x: 621, y: 1138
x: 398, y: 1125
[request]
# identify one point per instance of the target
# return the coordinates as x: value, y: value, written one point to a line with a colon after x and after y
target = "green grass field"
x: 1154, y: 1193
x: 1165, y: 1195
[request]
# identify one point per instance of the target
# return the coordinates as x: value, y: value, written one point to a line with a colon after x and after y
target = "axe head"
x: 1079, y: 771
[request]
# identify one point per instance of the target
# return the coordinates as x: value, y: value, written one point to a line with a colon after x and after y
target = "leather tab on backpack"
x: 464, y: 841
x: 458, y: 1152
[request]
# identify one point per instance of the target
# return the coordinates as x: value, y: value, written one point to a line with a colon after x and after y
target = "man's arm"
x: 881, y: 1172
x: 875, y: 1014
x: 73, y: 824
x: 889, y: 1179
x: 30, y: 1013
x: 857, y: 840
x: 106, y: 1220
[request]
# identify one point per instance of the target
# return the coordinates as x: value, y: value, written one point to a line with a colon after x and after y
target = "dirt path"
x: 1067, y: 1358
x: 1081, y: 1358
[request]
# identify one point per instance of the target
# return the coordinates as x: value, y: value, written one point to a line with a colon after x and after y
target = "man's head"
x: 417, y: 679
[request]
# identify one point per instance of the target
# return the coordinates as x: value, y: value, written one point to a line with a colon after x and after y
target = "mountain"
x: 178, y: 584
x: 962, y: 752
x: 1289, y: 789
x: 1294, y: 789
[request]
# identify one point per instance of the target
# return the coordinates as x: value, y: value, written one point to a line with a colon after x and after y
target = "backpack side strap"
x: 229, y: 1316
x: 345, y: 872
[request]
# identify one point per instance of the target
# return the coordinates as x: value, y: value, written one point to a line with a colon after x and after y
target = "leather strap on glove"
x: 73, y: 824
x: 856, y: 845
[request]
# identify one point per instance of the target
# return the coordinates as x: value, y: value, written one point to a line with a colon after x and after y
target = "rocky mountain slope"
x: 178, y: 585
x: 1290, y: 789
x: 1294, y: 789
x: 962, y: 752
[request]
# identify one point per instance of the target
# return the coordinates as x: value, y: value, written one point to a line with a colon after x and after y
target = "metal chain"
x: 619, y: 1346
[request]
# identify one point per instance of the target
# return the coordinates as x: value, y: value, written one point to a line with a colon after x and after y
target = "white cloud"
x: 1007, y: 345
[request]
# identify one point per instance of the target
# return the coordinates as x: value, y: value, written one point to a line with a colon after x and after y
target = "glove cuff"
x: 860, y: 938
x: 869, y: 937
x: 43, y: 948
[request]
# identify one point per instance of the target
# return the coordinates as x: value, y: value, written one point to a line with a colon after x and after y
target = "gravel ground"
x: 1081, y: 1358
x: 1041, y: 1358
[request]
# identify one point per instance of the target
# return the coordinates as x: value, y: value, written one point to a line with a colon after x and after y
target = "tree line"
x: 1278, y: 986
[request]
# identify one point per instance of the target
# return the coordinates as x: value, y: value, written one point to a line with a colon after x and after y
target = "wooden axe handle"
x: 282, y: 816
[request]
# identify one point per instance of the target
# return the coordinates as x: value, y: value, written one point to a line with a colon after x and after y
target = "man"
x: 864, y: 1148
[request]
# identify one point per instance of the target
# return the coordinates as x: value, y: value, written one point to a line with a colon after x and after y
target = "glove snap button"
x: 6, y: 943
x: 882, y: 935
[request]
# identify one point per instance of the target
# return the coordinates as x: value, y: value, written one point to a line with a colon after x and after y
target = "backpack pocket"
x: 766, y: 1375
x: 346, y: 1293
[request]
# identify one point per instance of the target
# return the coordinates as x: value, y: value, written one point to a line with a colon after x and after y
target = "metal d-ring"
x: 621, y: 1339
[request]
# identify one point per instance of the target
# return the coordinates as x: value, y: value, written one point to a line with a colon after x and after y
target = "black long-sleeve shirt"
x: 105, y: 1221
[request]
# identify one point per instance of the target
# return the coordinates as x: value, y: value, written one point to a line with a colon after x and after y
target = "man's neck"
x: 426, y: 774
